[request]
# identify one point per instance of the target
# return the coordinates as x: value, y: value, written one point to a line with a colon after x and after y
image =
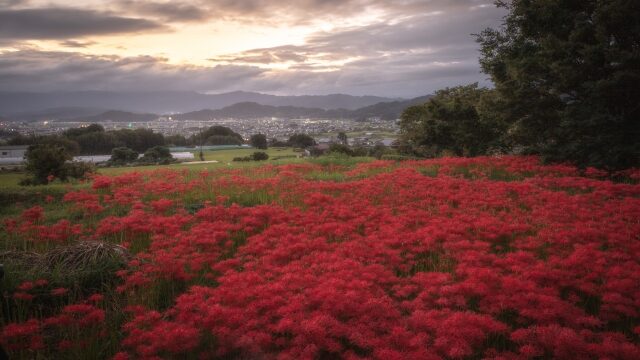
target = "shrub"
x: 260, y: 156
x: 46, y: 161
x: 157, y: 155
x: 123, y: 155
x: 78, y: 169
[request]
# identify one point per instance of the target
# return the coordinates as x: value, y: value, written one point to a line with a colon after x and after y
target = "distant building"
x: 317, y: 150
x: 12, y: 155
x: 16, y: 151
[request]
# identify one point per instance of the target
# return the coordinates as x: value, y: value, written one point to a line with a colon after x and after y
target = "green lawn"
x: 224, y: 158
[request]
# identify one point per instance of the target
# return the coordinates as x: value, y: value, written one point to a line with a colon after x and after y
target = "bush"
x: 256, y: 156
x: 123, y: 155
x: 340, y: 149
x: 45, y: 161
x: 157, y: 155
x: 258, y: 141
x: 301, y: 141
x: 78, y: 169
x: 260, y: 156
x: 243, y: 158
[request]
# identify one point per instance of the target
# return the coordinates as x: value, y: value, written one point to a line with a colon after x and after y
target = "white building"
x: 11, y: 151
x: 10, y: 154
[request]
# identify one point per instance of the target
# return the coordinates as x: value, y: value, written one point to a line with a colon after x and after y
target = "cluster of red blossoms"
x: 497, y: 258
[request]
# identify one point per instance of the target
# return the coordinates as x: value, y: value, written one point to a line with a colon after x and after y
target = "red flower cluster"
x: 450, y: 258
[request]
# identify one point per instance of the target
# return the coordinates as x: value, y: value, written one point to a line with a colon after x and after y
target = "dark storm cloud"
x: 415, y: 49
x: 61, y: 23
x: 414, y: 55
x: 76, y: 43
x: 32, y: 70
x: 306, y: 11
x: 170, y: 11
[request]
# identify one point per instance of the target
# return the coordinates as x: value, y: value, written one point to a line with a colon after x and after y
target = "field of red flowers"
x: 454, y: 258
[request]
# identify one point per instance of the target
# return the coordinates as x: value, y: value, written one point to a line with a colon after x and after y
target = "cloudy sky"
x: 400, y: 48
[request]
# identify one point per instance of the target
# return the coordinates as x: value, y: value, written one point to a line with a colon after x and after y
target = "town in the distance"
x: 366, y: 121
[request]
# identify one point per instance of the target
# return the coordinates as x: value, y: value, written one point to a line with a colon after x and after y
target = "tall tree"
x: 567, y: 73
x: 454, y: 120
x: 258, y: 141
x: 342, y: 136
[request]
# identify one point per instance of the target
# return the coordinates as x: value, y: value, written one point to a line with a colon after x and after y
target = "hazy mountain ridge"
x: 118, y: 116
x: 22, y: 104
x: 246, y: 110
x: 253, y: 110
x: 250, y: 110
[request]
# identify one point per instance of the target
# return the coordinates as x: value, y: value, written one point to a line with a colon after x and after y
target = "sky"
x: 399, y: 48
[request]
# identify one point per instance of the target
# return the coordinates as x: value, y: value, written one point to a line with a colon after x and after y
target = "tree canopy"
x: 301, y: 140
x: 566, y: 75
x: 258, y: 141
x: 455, y: 120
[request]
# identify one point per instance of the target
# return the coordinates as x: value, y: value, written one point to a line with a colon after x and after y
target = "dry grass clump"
x: 84, y: 265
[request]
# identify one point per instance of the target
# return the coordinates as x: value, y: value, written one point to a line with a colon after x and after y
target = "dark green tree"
x: 97, y: 142
x: 455, y: 121
x: 175, y: 140
x: 260, y: 156
x: 342, y: 137
x: 567, y: 75
x: 156, y: 155
x: 258, y: 141
x: 123, y: 155
x: 45, y: 160
x: 301, y: 140
x: 340, y: 149
x: 75, y: 132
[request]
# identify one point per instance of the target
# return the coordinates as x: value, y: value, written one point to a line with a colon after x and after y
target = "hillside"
x: 118, y: 116
x: 252, y: 110
x: 171, y: 101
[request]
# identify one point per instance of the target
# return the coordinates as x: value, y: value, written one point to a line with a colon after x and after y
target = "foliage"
x: 301, y: 141
x: 260, y: 156
x: 78, y: 169
x: 258, y: 141
x: 278, y: 143
x: 341, y: 149
x: 176, y: 140
x: 217, y: 135
x: 342, y: 137
x: 45, y: 162
x: 98, y: 142
x: 75, y: 132
x: 567, y: 75
x: 156, y: 155
x: 139, y: 140
x: 123, y: 155
x: 256, y: 156
x: 454, y: 120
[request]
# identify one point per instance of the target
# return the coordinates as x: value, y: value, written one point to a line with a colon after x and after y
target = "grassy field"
x: 224, y: 158
x: 14, y: 198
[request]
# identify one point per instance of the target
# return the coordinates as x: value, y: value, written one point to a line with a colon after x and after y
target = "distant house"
x: 317, y: 150
x: 13, y: 151
x: 12, y: 154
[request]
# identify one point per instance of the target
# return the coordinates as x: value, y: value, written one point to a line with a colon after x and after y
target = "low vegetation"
x: 445, y: 258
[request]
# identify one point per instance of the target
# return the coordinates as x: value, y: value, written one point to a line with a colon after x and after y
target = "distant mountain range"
x: 248, y: 110
x: 117, y: 116
x: 387, y: 110
x: 252, y: 110
x: 163, y: 102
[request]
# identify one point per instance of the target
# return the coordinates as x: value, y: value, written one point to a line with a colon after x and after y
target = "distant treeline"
x: 95, y: 140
